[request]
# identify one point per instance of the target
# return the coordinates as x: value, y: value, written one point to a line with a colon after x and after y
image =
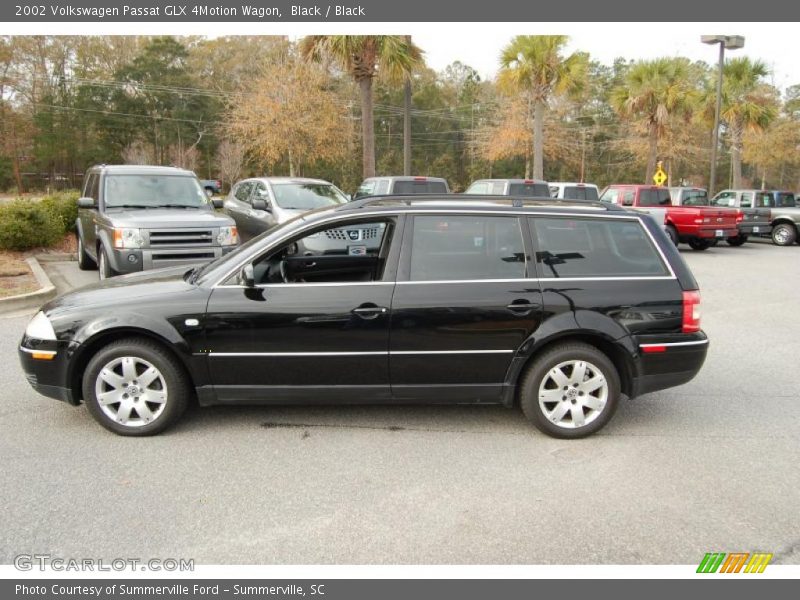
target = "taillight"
x: 691, y: 311
x: 739, y: 216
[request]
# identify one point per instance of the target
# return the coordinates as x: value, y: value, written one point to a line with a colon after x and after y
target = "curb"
x: 35, y: 299
x: 56, y: 257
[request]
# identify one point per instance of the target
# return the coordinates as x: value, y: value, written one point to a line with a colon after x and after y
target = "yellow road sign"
x: 660, y: 177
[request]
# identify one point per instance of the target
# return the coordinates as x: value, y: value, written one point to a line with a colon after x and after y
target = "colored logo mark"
x: 735, y: 562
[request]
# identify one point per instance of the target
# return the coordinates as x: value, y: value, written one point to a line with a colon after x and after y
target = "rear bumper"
x: 718, y: 232
x: 755, y: 229
x: 669, y: 361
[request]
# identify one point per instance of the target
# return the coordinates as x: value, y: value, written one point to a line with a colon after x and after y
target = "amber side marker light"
x: 43, y: 355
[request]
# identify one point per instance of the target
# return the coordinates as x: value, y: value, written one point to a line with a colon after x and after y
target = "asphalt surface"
x: 712, y: 465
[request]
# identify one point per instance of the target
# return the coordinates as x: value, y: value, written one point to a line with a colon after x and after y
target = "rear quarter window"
x: 585, y: 247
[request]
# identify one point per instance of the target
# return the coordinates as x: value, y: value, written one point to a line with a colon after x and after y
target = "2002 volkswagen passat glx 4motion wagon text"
x: 561, y: 308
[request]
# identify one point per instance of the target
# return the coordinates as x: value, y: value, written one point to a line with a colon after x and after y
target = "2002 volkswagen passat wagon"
x: 559, y: 307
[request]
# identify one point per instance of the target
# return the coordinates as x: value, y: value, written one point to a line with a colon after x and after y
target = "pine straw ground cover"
x: 15, y: 274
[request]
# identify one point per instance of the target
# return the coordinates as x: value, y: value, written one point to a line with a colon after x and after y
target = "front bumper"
x: 666, y: 361
x: 134, y: 260
x: 47, y: 377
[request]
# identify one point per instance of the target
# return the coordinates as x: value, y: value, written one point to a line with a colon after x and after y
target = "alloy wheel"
x: 573, y: 394
x: 131, y: 391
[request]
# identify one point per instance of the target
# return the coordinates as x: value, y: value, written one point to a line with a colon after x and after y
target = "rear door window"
x: 529, y: 190
x: 419, y: 187
x: 747, y: 200
x: 243, y: 191
x: 585, y: 247
x: 654, y: 197
x: 785, y: 200
x: 447, y: 248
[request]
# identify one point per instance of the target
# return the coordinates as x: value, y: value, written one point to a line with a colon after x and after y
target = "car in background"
x: 401, y: 185
x: 566, y: 190
x: 525, y: 188
x: 753, y: 217
x: 560, y: 308
x: 211, y: 186
x: 784, y: 214
x: 697, y: 226
x: 134, y: 218
x: 260, y: 203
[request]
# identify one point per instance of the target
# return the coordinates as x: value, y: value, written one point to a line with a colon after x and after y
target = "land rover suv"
x: 562, y: 308
x: 134, y: 218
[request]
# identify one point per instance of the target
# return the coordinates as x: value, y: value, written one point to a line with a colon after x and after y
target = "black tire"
x: 672, y: 233
x: 739, y: 240
x: 174, y: 384
x: 106, y: 272
x: 85, y: 262
x: 699, y: 244
x: 784, y: 234
x: 209, y: 192
x: 538, y: 374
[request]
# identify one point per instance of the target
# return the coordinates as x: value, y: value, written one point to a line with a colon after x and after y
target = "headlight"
x: 40, y: 328
x: 128, y: 238
x: 228, y: 236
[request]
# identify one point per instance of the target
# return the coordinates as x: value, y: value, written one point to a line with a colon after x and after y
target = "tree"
x: 533, y: 65
x: 231, y: 157
x: 290, y: 114
x: 747, y: 105
x: 363, y: 57
x: 656, y: 92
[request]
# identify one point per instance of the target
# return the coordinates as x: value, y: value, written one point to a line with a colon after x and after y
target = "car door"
x: 237, y: 206
x: 319, y: 333
x: 88, y: 216
x: 259, y: 220
x: 463, y: 306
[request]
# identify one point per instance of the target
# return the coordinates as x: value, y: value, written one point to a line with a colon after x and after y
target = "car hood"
x: 162, y: 218
x: 123, y: 289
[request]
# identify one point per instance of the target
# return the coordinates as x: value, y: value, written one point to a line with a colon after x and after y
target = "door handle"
x: 522, y: 307
x: 370, y: 312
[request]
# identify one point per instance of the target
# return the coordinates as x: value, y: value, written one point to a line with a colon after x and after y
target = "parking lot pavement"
x: 708, y: 466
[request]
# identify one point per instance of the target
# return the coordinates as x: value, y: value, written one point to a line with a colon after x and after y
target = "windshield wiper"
x: 177, y: 206
x: 129, y: 206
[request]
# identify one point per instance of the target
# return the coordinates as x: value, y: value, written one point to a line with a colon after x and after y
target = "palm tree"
x: 747, y: 105
x: 657, y: 92
x: 364, y: 57
x: 533, y: 65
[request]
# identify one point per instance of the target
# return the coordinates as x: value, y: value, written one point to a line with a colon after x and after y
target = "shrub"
x: 25, y: 224
x: 63, y: 206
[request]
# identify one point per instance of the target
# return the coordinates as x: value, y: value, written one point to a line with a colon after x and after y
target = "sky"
x: 772, y: 43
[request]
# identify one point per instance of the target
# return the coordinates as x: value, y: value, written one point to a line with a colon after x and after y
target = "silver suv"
x: 134, y: 218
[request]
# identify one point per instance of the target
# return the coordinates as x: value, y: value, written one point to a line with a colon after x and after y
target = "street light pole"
x: 731, y: 42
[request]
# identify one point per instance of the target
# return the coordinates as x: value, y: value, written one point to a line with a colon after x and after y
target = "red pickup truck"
x: 696, y: 226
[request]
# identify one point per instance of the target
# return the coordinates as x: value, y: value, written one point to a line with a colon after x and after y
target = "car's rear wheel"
x: 672, y: 233
x: 103, y: 265
x: 698, y: 244
x: 571, y: 391
x: 85, y: 262
x: 784, y: 234
x: 134, y: 387
x: 738, y: 240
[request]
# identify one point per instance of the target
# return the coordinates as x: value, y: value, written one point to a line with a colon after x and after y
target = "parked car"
x: 134, y: 218
x: 524, y: 188
x: 559, y: 307
x: 698, y: 227
x: 566, y: 190
x: 784, y: 214
x: 752, y: 216
x: 211, y: 186
x: 402, y: 184
x: 261, y: 203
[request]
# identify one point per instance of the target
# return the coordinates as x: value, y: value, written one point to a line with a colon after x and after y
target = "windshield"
x: 307, y: 196
x: 153, y: 191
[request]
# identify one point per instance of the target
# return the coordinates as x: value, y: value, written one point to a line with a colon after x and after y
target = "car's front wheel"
x: 106, y: 271
x: 672, y: 233
x: 571, y: 391
x: 134, y: 387
x: 85, y: 262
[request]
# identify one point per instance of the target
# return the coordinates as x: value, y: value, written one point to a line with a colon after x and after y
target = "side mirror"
x: 247, y: 276
x: 216, y: 202
x: 260, y: 204
x: 86, y: 203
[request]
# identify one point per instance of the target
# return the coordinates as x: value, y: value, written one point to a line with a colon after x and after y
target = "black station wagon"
x: 561, y: 308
